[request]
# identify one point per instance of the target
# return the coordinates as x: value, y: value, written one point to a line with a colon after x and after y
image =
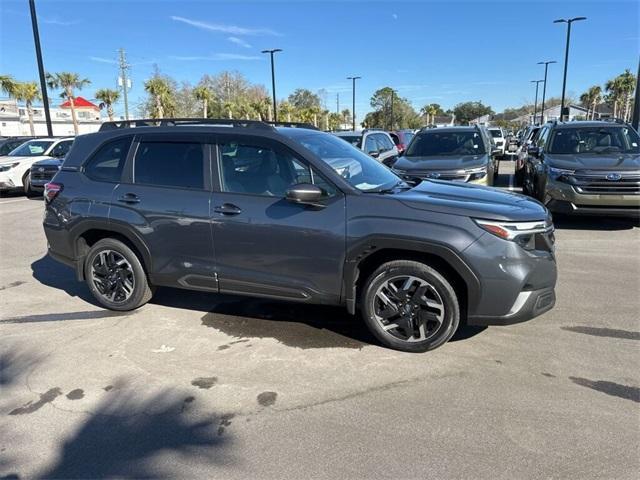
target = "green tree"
x: 107, y: 98
x: 286, y: 110
x: 627, y: 83
x: 302, y: 98
x: 68, y: 82
x: 7, y: 84
x: 27, y: 92
x: 204, y: 95
x: 467, y: 111
x: 162, y: 95
x: 346, y: 116
x: 335, y: 121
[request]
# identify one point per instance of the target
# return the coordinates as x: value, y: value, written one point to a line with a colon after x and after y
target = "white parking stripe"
x: 15, y: 201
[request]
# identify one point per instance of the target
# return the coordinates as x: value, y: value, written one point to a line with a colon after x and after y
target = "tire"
x: 431, y: 326
x: 104, y: 267
x: 26, y: 185
x: 518, y: 177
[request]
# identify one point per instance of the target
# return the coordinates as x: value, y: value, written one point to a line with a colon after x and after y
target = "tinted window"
x: 370, y: 144
x: 32, y: 148
x: 496, y: 133
x: 384, y: 142
x: 107, y: 163
x: 10, y: 145
x: 445, y: 143
x: 170, y: 164
x: 355, y: 140
x: 542, y: 137
x: 61, y: 149
x: 594, y: 140
x: 264, y: 171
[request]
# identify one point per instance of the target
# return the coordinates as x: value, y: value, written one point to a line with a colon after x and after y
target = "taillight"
x: 51, y: 190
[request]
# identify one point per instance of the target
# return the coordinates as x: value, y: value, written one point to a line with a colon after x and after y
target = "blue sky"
x: 430, y: 51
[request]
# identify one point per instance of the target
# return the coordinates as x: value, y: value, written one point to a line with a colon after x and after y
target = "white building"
x: 14, y: 120
x: 576, y: 112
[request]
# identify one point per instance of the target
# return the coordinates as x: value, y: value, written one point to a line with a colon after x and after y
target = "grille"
x: 47, y: 174
x: 455, y: 175
x: 598, y: 184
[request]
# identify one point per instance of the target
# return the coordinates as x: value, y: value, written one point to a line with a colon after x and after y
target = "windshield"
x: 496, y: 133
x: 352, y: 164
x: 594, y: 140
x: 31, y: 149
x: 355, y: 140
x: 434, y: 143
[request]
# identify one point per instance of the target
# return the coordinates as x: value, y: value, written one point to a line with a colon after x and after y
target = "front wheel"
x: 26, y: 185
x: 115, y: 276
x: 409, y: 306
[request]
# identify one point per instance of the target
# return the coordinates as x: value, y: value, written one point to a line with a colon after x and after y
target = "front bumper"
x: 529, y: 304
x: 562, y: 198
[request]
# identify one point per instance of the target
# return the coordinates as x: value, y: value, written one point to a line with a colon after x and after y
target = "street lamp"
x: 535, y: 105
x: 544, y: 87
x: 43, y: 85
x: 568, y: 21
x: 353, y: 109
x: 273, y: 81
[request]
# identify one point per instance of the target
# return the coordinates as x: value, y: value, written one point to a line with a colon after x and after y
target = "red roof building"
x: 80, y: 103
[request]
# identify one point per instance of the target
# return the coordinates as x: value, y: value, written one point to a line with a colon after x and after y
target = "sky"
x: 442, y: 52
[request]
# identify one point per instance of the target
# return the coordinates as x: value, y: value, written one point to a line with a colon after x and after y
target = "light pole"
x: 544, y: 87
x: 535, y: 105
x: 568, y: 21
x: 273, y: 81
x: 353, y: 107
x: 43, y: 84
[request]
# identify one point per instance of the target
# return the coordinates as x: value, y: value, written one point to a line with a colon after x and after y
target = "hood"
x: 440, y: 163
x: 472, y: 201
x: 9, y: 160
x: 595, y: 161
x: 49, y: 162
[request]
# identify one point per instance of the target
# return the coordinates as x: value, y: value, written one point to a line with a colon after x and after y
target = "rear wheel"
x: 409, y: 306
x: 116, y: 276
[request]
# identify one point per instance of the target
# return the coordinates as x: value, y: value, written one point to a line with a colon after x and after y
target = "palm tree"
x: 27, y: 92
x: 615, y: 88
x: 7, y: 84
x: 627, y: 83
x: 346, y: 116
x: 160, y: 91
x: 433, y: 111
x: 107, y: 98
x: 68, y: 82
x: 286, y: 109
x: 205, y: 95
x: 595, y: 94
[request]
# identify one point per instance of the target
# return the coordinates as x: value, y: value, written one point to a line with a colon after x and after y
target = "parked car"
x: 42, y: 172
x: 402, y: 139
x: 460, y: 154
x: 528, y: 137
x: 11, y: 143
x: 15, y: 168
x: 498, y: 138
x: 585, y: 167
x: 294, y: 214
x: 376, y: 143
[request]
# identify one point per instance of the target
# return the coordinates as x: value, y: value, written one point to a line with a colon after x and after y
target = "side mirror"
x: 495, y: 152
x: 374, y: 153
x: 533, y: 151
x: 305, y: 194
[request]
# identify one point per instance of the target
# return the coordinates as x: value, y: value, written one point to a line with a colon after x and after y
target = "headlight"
x: 514, y: 230
x: 477, y: 173
x: 559, y: 172
x: 5, y: 168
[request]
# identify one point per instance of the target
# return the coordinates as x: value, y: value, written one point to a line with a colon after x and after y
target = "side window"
x: 170, y: 164
x: 542, y: 137
x: 264, y: 171
x: 370, y: 144
x: 61, y: 149
x: 107, y: 163
x: 381, y: 139
x: 388, y: 142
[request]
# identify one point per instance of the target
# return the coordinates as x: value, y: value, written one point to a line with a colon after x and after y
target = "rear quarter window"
x: 107, y: 163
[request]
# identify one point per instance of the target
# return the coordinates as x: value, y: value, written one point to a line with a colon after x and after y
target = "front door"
x: 165, y: 197
x: 266, y: 245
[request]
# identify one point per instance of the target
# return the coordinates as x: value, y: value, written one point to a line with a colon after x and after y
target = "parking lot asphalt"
x: 201, y: 385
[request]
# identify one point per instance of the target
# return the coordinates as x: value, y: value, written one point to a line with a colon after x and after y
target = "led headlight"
x: 5, y: 168
x: 477, y: 173
x: 559, y: 172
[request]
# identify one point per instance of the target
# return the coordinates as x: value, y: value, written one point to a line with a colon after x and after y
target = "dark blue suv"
x: 291, y: 213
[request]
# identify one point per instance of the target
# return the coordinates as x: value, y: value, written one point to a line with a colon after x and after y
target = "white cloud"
x: 215, y: 56
x: 239, y: 41
x: 231, y: 29
x: 103, y: 60
x: 394, y: 16
x: 57, y: 21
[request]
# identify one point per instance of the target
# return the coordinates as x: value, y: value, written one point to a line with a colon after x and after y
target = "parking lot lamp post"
x: 544, y: 87
x: 353, y: 106
x: 535, y: 104
x: 273, y: 81
x: 568, y: 21
x: 43, y: 85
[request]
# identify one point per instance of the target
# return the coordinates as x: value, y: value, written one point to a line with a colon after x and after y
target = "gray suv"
x: 292, y: 213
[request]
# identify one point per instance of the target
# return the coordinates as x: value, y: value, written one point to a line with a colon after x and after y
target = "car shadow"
x: 567, y: 222
x: 54, y: 274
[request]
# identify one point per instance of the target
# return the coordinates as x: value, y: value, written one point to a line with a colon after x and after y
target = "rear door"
x: 265, y: 245
x: 165, y: 197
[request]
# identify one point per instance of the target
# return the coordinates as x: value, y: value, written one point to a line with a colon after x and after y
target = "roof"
x: 454, y: 128
x: 350, y: 133
x: 80, y: 102
x: 589, y: 123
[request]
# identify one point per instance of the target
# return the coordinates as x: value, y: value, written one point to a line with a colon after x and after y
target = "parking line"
x: 15, y: 201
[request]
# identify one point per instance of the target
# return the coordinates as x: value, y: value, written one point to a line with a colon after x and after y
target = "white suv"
x: 498, y: 138
x: 376, y: 143
x: 15, y: 167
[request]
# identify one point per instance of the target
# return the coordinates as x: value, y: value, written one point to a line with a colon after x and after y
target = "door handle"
x: 227, y: 209
x: 129, y: 198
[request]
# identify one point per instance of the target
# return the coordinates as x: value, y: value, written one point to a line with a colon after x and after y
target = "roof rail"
x: 172, y: 122
x: 310, y: 126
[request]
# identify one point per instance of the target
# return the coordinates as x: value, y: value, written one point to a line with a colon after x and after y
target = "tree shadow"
x: 567, y: 222
x: 14, y: 363
x: 123, y: 435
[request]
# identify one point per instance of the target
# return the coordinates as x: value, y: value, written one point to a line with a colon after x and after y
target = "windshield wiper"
x: 388, y: 189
